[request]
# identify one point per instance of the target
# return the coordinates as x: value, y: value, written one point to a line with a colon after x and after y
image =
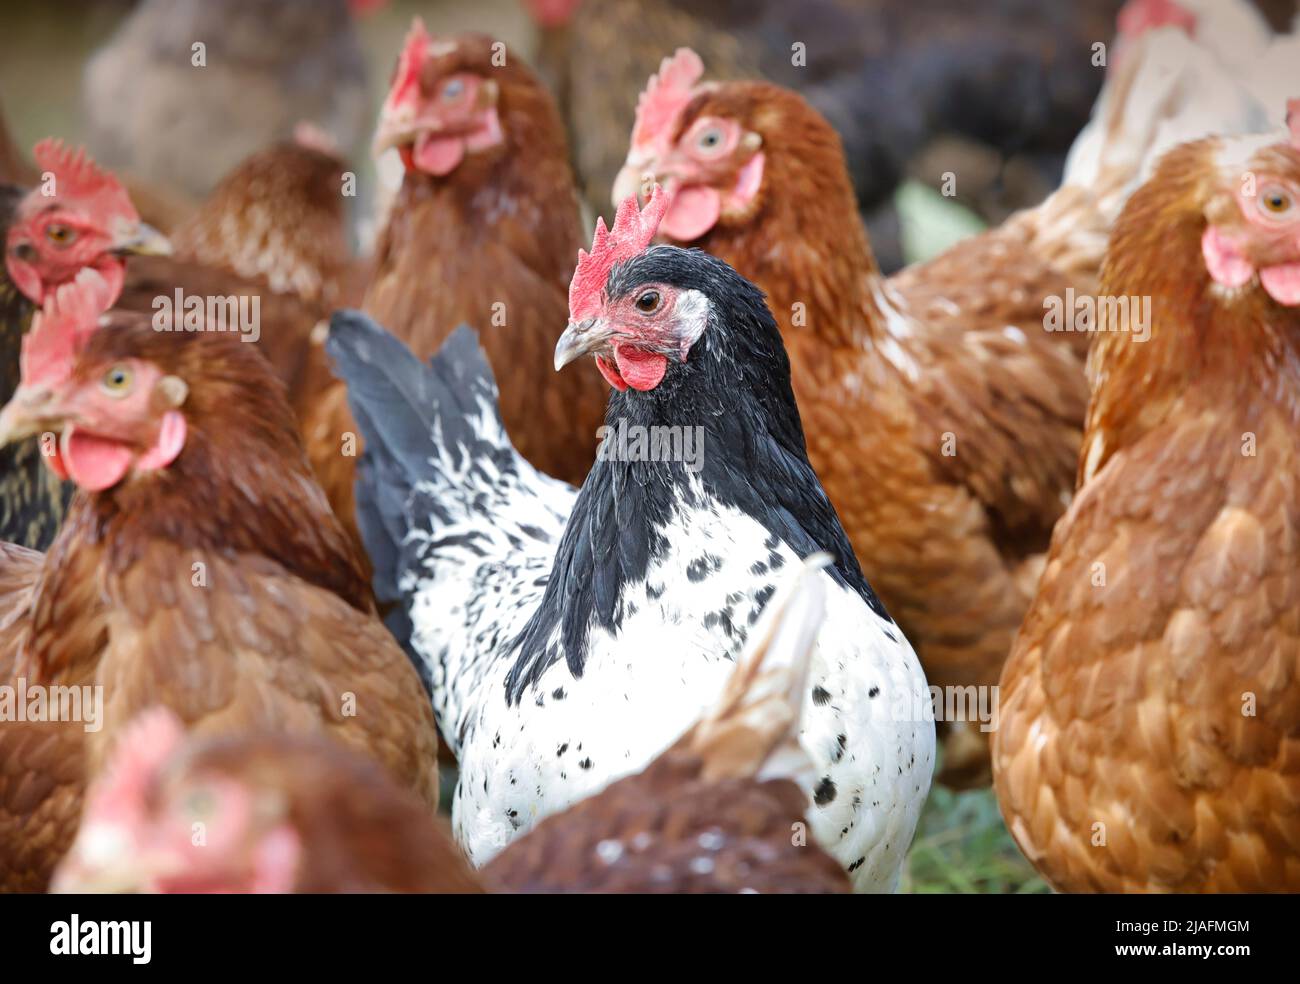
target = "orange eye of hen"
x: 59, y: 234
x: 1275, y: 201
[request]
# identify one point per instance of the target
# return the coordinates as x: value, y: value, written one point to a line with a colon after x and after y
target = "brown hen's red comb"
x: 666, y: 94
x: 79, y: 179
x: 1139, y: 16
x: 406, y: 79
x: 633, y: 231
x: 61, y: 327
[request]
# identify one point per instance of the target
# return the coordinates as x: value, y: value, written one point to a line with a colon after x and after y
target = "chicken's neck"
x: 813, y: 260
x: 507, y: 218
x: 1186, y: 345
x: 240, y: 488
x: 719, y: 455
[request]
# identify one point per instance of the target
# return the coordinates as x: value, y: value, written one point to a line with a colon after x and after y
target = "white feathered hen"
x: 569, y: 637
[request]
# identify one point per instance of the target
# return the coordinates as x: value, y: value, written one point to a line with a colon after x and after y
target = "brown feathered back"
x: 358, y: 831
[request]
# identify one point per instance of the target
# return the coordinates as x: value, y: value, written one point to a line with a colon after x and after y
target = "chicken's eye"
x: 1275, y: 201
x: 453, y: 90
x: 648, y: 302
x: 59, y: 234
x: 199, y: 802
x: 710, y: 141
x: 117, y: 381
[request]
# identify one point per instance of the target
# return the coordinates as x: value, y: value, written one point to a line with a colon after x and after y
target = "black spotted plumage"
x: 735, y: 383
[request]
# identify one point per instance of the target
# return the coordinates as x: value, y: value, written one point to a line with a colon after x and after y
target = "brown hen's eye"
x: 453, y: 89
x: 648, y: 302
x: 60, y: 234
x: 117, y: 381
x: 1275, y: 201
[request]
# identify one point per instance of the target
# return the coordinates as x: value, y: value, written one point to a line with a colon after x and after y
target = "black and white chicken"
x: 569, y: 636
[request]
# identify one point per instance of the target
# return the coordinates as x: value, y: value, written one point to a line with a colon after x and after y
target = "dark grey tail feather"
x: 398, y: 403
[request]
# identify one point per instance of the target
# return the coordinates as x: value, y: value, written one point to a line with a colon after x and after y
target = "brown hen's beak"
x: 31, y: 410
x: 581, y: 338
x: 142, y: 239
x: 103, y: 860
x: 393, y: 132
x: 634, y: 179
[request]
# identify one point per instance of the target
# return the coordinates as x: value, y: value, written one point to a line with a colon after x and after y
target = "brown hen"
x: 201, y: 568
x: 485, y: 231
x: 1151, y: 711
x: 942, y: 419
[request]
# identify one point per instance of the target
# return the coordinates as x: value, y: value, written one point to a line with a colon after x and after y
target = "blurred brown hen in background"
x: 275, y: 229
x: 485, y: 231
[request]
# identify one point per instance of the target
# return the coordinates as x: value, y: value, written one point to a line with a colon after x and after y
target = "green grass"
x: 962, y: 846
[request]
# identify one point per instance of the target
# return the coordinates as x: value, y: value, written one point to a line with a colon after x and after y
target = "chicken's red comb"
x: 633, y: 231
x: 145, y: 745
x: 1139, y: 16
x: 666, y: 94
x: 61, y: 327
x: 79, y: 179
x: 1293, y: 121
x: 406, y: 79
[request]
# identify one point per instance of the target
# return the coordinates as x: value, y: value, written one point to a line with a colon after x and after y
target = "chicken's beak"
x: 31, y: 410
x: 581, y: 338
x: 116, y: 878
x: 105, y: 860
x: 391, y: 133
x: 634, y: 179
x: 141, y: 239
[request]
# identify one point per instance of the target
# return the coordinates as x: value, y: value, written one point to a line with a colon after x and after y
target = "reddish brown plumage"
x: 493, y: 244
x: 946, y: 440
x: 1150, y: 706
x: 275, y: 229
x: 670, y: 830
x: 277, y: 627
x: 353, y: 829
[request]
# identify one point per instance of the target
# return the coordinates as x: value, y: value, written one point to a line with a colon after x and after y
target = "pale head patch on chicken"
x: 617, y: 608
